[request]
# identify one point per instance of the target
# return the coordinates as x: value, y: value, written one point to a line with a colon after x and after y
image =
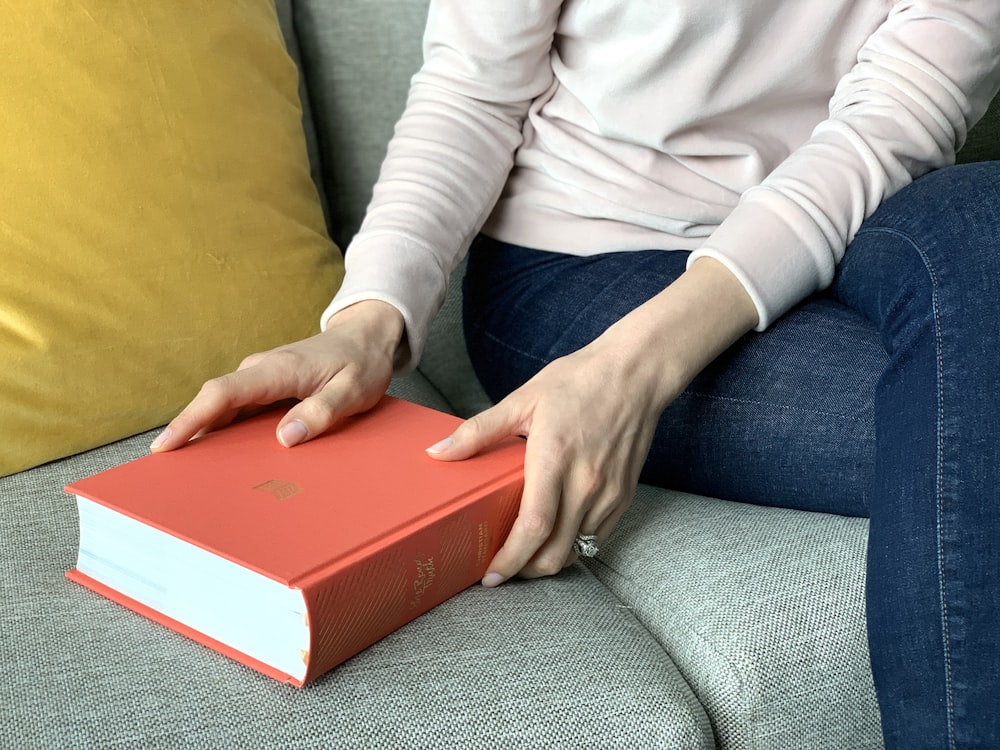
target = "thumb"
x: 477, y: 433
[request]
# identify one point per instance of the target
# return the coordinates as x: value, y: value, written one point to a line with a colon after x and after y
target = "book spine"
x: 405, y: 576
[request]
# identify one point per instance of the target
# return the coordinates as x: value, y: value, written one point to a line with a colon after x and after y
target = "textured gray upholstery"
x: 702, y: 623
x: 359, y: 56
x: 983, y: 143
x: 555, y: 663
x: 761, y: 608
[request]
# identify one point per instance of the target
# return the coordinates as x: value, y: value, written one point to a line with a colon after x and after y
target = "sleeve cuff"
x: 400, y: 272
x: 774, y: 249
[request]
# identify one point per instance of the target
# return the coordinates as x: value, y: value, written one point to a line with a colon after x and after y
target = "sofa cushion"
x: 552, y: 663
x: 761, y: 608
x: 159, y: 221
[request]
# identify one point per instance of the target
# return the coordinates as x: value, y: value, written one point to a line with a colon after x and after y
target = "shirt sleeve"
x: 484, y: 63
x: 921, y: 80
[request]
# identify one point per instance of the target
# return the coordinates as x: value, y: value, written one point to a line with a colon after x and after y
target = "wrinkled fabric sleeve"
x: 452, y: 150
x: 921, y: 80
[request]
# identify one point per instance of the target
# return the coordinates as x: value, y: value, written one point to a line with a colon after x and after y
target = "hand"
x: 589, y: 417
x: 589, y: 424
x: 342, y: 371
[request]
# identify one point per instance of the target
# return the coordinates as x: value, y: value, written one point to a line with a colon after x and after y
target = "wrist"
x: 676, y: 334
x: 382, y: 324
x: 723, y: 297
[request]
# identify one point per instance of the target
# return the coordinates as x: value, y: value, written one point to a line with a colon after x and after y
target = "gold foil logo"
x: 282, y: 489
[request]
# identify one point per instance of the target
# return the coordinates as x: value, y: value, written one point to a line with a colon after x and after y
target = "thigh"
x: 783, y: 418
x: 925, y: 268
x: 524, y: 308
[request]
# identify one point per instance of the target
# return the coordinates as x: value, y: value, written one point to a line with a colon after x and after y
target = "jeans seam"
x: 939, y: 470
x: 774, y: 405
x: 500, y: 342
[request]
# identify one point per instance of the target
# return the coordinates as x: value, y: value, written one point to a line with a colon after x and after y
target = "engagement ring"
x: 585, y: 545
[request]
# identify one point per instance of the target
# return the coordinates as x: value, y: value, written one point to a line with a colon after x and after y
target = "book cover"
x: 360, y: 524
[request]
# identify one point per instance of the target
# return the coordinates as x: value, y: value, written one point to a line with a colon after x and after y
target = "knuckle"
x: 547, y: 565
x: 471, y: 428
x: 250, y: 360
x: 215, y: 390
x: 317, y: 409
x: 281, y: 359
x: 352, y: 385
x: 535, y: 526
x: 590, y: 479
x: 355, y: 376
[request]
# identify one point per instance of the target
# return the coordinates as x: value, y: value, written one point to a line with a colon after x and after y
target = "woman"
x: 701, y: 261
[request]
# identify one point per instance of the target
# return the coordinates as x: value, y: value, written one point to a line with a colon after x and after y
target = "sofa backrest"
x: 984, y: 139
x: 358, y: 57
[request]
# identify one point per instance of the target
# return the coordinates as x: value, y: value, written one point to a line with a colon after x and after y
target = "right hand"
x: 342, y: 371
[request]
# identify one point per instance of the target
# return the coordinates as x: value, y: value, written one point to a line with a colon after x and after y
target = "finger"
x: 313, y: 416
x: 594, y: 498
x: 252, y: 360
x: 537, y: 516
x: 602, y: 533
x: 218, y: 402
x: 473, y: 435
x: 601, y: 530
x: 602, y: 519
x: 583, y: 491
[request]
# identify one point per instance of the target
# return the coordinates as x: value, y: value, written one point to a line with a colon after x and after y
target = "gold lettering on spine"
x: 483, y: 547
x: 423, y: 580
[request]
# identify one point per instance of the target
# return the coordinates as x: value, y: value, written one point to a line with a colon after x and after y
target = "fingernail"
x: 292, y: 433
x: 491, y: 580
x: 441, y: 446
x: 160, y: 439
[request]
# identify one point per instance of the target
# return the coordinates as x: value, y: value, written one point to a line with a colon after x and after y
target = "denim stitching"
x: 939, y: 469
x: 777, y: 406
x: 500, y: 342
x: 550, y: 353
x: 646, y: 261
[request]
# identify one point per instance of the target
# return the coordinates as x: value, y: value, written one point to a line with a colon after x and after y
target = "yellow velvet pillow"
x: 157, y: 217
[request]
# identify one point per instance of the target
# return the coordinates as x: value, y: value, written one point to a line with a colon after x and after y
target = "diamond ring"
x: 585, y: 545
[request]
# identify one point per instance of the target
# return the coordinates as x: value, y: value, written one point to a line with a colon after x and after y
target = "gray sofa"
x: 701, y: 624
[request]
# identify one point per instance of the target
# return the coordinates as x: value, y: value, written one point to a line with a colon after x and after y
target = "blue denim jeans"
x: 878, y: 398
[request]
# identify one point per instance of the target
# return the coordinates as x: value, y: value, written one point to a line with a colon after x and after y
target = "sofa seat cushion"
x: 550, y: 663
x: 761, y: 608
x: 159, y: 221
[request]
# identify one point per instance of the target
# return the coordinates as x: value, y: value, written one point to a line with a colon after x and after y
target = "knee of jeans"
x: 951, y: 217
x: 933, y: 246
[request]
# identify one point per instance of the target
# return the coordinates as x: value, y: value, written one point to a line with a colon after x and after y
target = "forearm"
x: 485, y: 62
x: 926, y: 74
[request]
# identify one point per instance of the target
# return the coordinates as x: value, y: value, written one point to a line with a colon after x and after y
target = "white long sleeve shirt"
x: 757, y: 132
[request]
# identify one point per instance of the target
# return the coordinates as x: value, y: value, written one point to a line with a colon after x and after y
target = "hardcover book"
x: 293, y: 560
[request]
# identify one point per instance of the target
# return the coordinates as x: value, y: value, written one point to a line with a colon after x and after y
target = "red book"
x: 293, y: 560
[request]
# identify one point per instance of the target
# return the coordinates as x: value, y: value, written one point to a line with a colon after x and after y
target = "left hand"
x: 589, y: 424
x: 589, y: 417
